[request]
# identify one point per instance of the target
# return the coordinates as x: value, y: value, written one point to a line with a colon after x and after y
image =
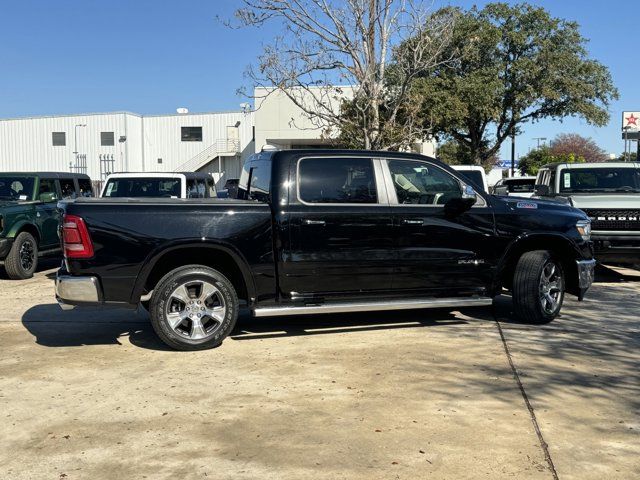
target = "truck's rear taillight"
x: 75, y: 238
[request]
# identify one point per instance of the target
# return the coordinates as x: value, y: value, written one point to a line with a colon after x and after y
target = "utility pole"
x: 543, y: 139
x: 513, y: 152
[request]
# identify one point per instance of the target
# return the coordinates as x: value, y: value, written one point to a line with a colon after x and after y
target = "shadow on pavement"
x: 592, y: 348
x: 53, y: 327
x: 274, y: 327
x: 605, y: 274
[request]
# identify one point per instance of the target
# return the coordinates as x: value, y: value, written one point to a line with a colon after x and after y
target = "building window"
x: 59, y: 139
x: 191, y: 134
x: 107, y: 139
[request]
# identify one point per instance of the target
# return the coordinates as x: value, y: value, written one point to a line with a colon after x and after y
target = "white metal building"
x: 101, y: 143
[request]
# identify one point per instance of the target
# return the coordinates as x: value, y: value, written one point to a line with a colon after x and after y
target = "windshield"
x: 474, y: 176
x: 143, y: 187
x: 612, y: 179
x: 523, y: 185
x: 16, y: 188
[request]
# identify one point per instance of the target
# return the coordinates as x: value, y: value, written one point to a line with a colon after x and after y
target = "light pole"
x: 543, y: 139
x: 627, y: 146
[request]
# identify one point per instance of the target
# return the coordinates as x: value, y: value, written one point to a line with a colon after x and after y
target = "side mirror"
x: 48, y: 197
x: 469, y: 193
x: 457, y: 206
x: 542, y: 190
x: 501, y: 190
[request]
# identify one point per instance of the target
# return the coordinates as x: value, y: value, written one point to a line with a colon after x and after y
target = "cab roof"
x: 159, y: 174
x: 592, y: 165
x: 47, y: 174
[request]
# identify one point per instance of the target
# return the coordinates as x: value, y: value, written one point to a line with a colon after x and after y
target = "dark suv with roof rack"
x: 29, y: 217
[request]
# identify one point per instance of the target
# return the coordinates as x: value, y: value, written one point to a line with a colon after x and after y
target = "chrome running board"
x: 405, y: 304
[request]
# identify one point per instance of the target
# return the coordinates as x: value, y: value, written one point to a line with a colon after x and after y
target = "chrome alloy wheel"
x: 551, y: 288
x: 195, y: 309
x: 27, y: 255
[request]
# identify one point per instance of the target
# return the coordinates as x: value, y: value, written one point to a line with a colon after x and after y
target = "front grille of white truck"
x: 621, y: 220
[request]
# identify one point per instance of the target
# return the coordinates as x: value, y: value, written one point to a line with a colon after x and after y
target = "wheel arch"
x: 561, y: 247
x: 25, y: 226
x: 218, y: 256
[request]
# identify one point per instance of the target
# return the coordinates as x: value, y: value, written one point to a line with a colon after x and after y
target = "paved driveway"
x: 93, y: 394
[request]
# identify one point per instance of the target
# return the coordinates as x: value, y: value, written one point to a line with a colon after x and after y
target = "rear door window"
x: 337, y: 180
x: 85, y: 187
x: 67, y: 188
x: 48, y: 191
x: 195, y: 188
x: 143, y: 187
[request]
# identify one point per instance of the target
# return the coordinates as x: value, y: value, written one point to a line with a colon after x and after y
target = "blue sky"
x: 152, y: 56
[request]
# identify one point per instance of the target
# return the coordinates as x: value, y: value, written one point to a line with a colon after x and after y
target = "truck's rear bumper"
x: 72, y: 291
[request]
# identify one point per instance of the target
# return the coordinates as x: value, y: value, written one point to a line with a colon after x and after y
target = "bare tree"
x: 332, y: 51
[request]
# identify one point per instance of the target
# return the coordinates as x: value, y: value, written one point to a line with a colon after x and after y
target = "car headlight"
x: 584, y: 229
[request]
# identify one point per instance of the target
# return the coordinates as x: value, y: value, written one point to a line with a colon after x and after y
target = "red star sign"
x: 631, y: 120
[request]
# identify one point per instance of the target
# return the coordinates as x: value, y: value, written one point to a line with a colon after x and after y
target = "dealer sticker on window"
x: 530, y: 205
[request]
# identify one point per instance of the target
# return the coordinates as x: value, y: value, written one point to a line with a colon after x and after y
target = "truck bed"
x: 131, y: 234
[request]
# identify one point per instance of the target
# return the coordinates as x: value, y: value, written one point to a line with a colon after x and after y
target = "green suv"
x: 29, y: 216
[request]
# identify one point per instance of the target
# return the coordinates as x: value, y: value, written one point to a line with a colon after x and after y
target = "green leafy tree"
x: 530, y: 163
x: 512, y: 64
x: 452, y: 153
x: 633, y: 157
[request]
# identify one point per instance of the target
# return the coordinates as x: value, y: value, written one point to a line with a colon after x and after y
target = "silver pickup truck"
x: 609, y: 193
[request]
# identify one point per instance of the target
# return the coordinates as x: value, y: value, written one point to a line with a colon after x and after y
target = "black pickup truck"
x: 322, y: 231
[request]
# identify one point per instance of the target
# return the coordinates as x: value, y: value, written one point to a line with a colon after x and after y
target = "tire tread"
x: 526, y: 287
x: 12, y: 263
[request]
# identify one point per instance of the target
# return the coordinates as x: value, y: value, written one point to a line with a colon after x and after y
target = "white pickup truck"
x: 159, y: 185
x: 609, y: 193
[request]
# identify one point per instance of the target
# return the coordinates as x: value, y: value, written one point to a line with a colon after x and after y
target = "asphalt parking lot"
x: 92, y: 394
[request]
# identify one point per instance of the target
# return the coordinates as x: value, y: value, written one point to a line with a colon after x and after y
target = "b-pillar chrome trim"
x: 404, y: 304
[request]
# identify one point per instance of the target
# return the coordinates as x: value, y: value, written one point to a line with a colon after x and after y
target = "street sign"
x: 631, y: 121
x: 630, y: 135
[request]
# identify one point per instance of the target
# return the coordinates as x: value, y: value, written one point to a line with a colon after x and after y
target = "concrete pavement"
x: 424, y: 394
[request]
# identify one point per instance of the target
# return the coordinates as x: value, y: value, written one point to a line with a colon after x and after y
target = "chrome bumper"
x: 586, y: 273
x: 71, y: 291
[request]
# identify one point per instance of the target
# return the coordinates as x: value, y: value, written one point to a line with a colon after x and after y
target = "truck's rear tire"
x: 538, y: 287
x: 193, y: 308
x: 22, y: 260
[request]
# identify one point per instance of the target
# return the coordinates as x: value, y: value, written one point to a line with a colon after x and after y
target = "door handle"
x: 314, y: 222
x: 406, y: 221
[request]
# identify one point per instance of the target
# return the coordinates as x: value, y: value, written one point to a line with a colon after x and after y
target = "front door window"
x: 420, y: 183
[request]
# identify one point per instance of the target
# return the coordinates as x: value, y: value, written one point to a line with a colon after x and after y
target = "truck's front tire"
x: 193, y: 308
x: 538, y: 287
x: 22, y: 260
